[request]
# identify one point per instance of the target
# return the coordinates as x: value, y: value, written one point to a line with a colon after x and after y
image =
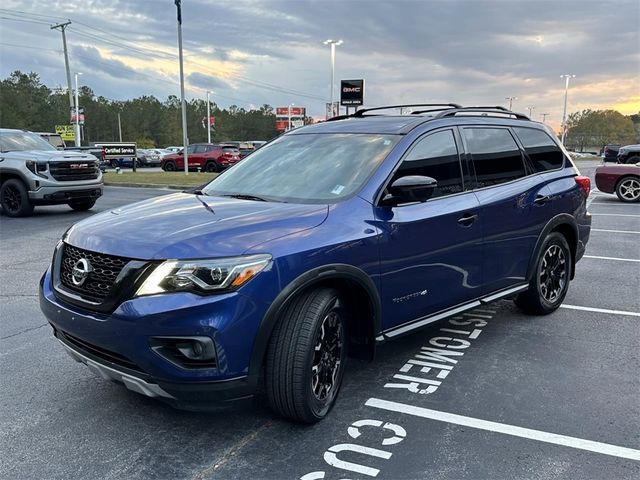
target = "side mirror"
x: 412, y: 188
x: 181, y: 152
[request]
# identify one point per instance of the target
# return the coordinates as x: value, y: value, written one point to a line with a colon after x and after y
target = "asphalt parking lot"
x: 528, y: 397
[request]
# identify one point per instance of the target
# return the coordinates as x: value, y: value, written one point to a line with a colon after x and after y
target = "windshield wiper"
x: 244, y: 197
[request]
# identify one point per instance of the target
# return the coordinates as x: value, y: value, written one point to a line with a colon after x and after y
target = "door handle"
x: 541, y: 199
x: 468, y: 219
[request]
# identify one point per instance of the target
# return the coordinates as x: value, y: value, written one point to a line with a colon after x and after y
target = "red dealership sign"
x: 295, y: 111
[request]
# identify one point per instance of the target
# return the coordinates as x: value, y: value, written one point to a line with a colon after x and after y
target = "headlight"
x: 203, y: 276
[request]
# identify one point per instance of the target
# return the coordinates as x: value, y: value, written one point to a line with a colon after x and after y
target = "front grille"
x: 74, y: 171
x: 104, y: 271
x: 99, y: 352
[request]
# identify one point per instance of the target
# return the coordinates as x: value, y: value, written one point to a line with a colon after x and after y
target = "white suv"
x: 32, y: 172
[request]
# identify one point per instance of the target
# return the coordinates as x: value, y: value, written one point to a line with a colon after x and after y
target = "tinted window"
x: 191, y: 149
x: 200, y: 149
x: 496, y: 156
x: 542, y: 150
x: 435, y: 156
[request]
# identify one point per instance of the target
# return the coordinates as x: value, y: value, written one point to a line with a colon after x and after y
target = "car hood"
x: 49, y: 155
x: 191, y: 226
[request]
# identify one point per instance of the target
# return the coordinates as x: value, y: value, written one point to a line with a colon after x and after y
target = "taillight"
x: 585, y: 184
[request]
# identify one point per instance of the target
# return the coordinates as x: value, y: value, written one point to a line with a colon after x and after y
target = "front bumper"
x: 65, y: 194
x: 117, y: 347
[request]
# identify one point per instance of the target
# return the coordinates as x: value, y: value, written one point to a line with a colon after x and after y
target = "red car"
x: 623, y: 180
x: 204, y: 156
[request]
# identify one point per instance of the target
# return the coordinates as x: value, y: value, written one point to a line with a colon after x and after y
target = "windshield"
x: 306, y: 168
x: 21, y: 141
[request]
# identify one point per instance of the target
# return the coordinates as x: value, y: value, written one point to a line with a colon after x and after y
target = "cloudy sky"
x: 251, y: 52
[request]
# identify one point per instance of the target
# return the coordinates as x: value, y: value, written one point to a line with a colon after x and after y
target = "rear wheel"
x: 169, y: 167
x: 550, y: 281
x: 306, y: 356
x: 628, y: 189
x: 15, y: 199
x: 212, y: 167
x: 82, y: 206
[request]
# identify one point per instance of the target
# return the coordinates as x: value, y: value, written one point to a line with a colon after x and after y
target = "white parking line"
x: 601, y: 310
x: 612, y: 231
x: 614, y: 215
x: 573, y: 442
x: 615, y: 204
x: 613, y: 258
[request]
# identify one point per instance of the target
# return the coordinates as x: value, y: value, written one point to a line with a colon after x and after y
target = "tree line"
x: 26, y: 103
x: 597, y: 128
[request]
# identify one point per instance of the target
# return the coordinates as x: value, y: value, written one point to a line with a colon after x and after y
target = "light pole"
x: 289, y: 124
x: 544, y: 116
x: 334, y: 44
x: 566, y: 77
x: 511, y: 99
x: 119, y: 128
x: 209, y: 92
x: 77, y: 112
x: 531, y: 108
x: 185, y: 138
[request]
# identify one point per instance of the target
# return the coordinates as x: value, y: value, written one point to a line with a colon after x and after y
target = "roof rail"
x: 360, y: 113
x: 482, y: 110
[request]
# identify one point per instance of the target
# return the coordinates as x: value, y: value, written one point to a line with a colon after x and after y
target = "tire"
x: 306, y: 356
x: 82, y: 206
x: 14, y: 199
x: 628, y: 189
x: 211, y: 167
x: 114, y: 163
x: 169, y: 167
x: 550, y: 281
x: 632, y: 160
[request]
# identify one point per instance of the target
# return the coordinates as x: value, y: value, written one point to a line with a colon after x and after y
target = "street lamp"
x: 289, y: 125
x: 183, y: 105
x: 77, y: 111
x: 334, y: 44
x: 511, y: 99
x: 566, y: 77
x: 209, y: 92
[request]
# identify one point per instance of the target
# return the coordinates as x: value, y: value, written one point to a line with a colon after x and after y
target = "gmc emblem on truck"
x: 78, y: 165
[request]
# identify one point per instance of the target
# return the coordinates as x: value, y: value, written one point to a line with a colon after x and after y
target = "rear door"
x: 430, y: 252
x: 514, y: 205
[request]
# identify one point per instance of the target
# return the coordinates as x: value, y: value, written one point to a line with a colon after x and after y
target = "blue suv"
x: 320, y: 245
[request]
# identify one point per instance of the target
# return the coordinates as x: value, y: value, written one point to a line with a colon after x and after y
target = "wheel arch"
x: 624, y: 177
x: 345, y: 278
x: 567, y: 226
x: 8, y: 175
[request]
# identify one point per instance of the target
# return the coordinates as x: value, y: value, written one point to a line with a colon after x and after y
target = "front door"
x: 430, y: 252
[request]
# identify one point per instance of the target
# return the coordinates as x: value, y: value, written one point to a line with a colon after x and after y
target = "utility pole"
x: 119, y: 128
x: 566, y: 76
x: 209, y: 92
x: 511, y: 99
x: 62, y: 27
x: 185, y: 138
x: 78, y: 140
x: 531, y: 108
x: 544, y: 116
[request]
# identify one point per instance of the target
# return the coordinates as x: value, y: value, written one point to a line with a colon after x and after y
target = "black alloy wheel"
x: 550, y: 277
x: 211, y: 167
x: 14, y: 199
x: 169, y: 167
x: 306, y: 356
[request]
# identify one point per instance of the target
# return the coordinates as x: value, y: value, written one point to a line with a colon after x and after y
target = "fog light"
x: 186, y: 352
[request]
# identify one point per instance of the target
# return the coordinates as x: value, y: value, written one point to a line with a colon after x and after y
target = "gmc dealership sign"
x: 351, y: 92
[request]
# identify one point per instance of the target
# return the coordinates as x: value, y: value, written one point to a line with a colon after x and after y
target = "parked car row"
x: 206, y: 157
x: 628, y: 154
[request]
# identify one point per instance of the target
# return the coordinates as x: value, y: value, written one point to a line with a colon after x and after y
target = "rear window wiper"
x: 245, y: 197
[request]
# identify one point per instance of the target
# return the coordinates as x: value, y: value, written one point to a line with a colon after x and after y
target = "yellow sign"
x: 66, y: 132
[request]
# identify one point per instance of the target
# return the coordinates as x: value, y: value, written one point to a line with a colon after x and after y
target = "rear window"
x: 229, y: 149
x: 496, y: 155
x: 542, y: 150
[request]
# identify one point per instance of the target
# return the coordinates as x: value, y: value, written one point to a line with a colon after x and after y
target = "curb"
x: 148, y: 185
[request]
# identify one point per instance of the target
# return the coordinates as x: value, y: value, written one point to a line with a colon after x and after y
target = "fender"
x: 326, y: 272
x: 561, y: 219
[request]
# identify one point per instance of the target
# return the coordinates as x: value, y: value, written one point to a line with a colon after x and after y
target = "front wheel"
x: 306, y: 356
x: 82, y: 206
x: 628, y: 189
x: 550, y: 280
x: 169, y: 167
x: 15, y: 198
